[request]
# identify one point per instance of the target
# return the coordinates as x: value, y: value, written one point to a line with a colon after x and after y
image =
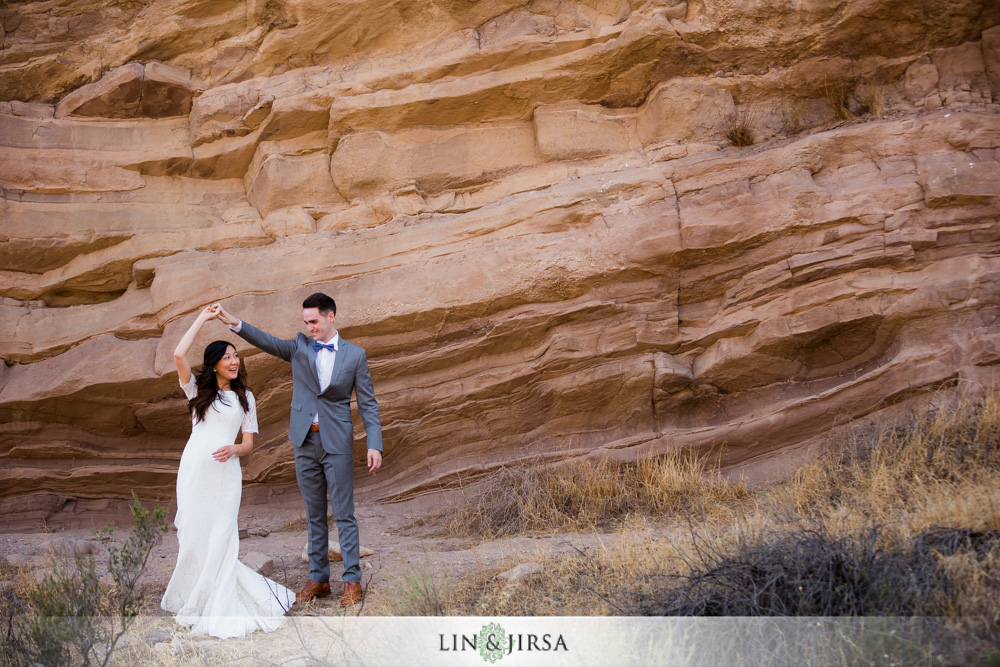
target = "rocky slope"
x: 529, y: 213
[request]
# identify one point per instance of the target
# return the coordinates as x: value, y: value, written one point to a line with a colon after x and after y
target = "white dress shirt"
x: 324, y: 361
x: 324, y: 366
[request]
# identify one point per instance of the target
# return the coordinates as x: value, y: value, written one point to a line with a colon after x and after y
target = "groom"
x: 325, y: 369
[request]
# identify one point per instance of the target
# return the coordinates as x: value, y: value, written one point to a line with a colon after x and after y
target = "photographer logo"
x: 493, y: 642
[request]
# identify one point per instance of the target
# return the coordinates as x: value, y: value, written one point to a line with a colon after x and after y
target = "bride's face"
x: 227, y: 367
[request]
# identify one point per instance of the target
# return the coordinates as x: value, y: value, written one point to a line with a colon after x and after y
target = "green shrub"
x: 71, y: 617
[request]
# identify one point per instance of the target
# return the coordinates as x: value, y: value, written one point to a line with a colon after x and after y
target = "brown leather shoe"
x: 313, y: 589
x: 352, y: 593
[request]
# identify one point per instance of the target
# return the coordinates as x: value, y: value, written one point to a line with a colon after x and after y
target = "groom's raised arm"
x: 278, y: 347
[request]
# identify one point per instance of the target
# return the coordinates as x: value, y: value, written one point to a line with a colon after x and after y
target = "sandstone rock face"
x: 529, y: 214
x: 132, y: 91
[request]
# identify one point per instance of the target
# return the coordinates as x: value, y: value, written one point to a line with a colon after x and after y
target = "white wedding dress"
x: 211, y: 590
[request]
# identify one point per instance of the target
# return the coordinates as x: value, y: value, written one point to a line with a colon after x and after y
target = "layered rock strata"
x: 529, y: 214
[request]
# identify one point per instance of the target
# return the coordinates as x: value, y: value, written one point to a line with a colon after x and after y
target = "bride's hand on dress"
x: 223, y: 454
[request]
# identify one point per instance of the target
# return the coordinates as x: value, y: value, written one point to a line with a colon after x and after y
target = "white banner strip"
x: 589, y: 641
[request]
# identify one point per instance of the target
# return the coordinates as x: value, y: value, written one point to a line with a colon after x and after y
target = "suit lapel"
x: 338, y: 363
x: 311, y: 353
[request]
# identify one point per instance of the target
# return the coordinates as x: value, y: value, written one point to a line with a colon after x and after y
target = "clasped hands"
x: 210, y: 312
x: 217, y: 312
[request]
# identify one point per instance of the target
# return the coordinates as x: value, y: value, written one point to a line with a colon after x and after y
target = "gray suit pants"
x: 320, y: 473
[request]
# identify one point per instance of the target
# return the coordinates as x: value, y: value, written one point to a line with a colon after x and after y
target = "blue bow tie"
x: 323, y: 346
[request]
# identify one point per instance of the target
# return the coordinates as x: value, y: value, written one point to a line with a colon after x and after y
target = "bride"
x: 211, y: 590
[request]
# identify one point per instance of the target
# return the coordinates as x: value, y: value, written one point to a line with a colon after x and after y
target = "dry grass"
x: 18, y: 580
x: 871, y: 100
x: 189, y: 650
x: 582, y: 581
x: 903, y: 515
x: 790, y: 112
x: 740, y: 127
x: 596, y: 495
x: 419, y: 591
x: 883, y: 471
x: 838, y: 94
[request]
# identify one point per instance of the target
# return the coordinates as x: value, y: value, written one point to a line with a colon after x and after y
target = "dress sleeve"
x: 191, y: 388
x: 250, y: 418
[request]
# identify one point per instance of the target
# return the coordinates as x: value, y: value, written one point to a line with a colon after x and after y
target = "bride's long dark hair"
x: 208, y: 388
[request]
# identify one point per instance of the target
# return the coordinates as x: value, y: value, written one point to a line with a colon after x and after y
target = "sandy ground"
x: 404, y: 537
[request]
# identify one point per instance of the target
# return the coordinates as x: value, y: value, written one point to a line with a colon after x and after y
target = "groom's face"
x: 319, y: 326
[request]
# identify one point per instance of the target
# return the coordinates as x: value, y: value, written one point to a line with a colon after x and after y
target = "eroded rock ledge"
x: 530, y: 215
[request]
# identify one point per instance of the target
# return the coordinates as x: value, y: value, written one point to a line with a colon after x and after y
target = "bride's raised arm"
x: 180, y: 352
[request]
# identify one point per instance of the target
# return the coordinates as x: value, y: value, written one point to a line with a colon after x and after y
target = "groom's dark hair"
x: 324, y: 303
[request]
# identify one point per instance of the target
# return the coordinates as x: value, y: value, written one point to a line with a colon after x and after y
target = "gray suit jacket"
x: 350, y: 372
